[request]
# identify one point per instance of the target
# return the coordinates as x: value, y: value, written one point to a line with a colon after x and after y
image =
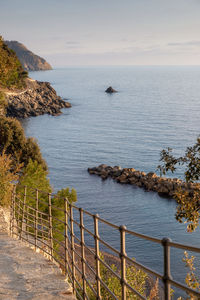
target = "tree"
x: 34, y: 177
x: 12, y: 75
x: 188, y: 207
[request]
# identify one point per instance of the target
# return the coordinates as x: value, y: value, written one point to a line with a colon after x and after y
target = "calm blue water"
x: 156, y: 107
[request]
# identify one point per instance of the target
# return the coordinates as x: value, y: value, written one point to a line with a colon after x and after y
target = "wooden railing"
x: 36, y: 220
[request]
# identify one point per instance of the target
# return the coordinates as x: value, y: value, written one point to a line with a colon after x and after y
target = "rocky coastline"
x: 149, y: 181
x: 36, y: 99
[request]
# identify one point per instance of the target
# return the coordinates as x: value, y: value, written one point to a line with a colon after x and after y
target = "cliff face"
x: 37, y: 99
x: 28, y: 59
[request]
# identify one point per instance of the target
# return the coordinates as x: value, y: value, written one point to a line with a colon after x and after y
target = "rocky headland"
x: 29, y: 60
x: 149, y: 181
x: 21, y: 96
x: 36, y: 99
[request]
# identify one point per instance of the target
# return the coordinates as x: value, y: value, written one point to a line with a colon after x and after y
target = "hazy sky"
x: 114, y: 32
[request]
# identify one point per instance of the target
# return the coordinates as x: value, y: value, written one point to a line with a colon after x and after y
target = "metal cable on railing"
x: 51, y: 233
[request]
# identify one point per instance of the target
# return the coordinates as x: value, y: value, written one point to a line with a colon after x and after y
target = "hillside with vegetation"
x: 29, y: 60
x: 21, y: 161
x: 12, y: 74
x: 23, y: 96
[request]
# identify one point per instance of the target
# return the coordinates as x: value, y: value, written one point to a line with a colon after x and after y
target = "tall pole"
x: 66, y: 238
x: 36, y: 218
x: 97, y: 256
x: 167, y: 272
x: 50, y: 226
x: 123, y: 260
x: 23, y: 209
x: 82, y: 252
x: 72, y: 247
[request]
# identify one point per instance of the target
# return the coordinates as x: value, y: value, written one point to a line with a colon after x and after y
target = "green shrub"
x: 35, y: 177
x: 59, y: 201
x: 14, y: 142
x: 7, y: 178
x: 3, y: 103
x: 136, y: 278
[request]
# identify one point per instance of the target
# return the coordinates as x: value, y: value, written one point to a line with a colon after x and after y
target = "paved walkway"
x: 25, y: 274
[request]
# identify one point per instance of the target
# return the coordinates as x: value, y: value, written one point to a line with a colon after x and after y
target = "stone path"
x: 27, y: 275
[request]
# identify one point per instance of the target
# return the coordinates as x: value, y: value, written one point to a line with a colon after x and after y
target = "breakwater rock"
x: 150, y: 181
x: 37, y: 99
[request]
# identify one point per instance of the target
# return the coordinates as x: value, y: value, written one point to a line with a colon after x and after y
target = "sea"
x: 156, y: 107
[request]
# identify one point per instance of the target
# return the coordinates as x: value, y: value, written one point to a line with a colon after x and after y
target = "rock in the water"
x: 110, y: 90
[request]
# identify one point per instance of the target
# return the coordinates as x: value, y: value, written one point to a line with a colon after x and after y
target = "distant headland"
x: 29, y: 60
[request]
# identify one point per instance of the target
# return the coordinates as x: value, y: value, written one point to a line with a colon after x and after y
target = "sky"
x: 105, y: 32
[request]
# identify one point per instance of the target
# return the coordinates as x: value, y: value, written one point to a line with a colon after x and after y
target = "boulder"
x: 136, y: 174
x: 163, y: 190
x: 122, y: 179
x: 133, y: 180
x: 104, y: 174
x: 114, y: 173
x: 151, y: 175
x: 110, y: 90
x: 92, y: 170
x: 102, y: 166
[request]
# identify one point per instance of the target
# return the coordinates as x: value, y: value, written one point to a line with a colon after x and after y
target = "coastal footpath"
x: 26, y: 274
x: 149, y: 181
x: 37, y: 98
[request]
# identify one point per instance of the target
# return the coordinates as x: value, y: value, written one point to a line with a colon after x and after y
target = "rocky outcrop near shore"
x: 37, y: 99
x: 110, y: 90
x: 149, y: 181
